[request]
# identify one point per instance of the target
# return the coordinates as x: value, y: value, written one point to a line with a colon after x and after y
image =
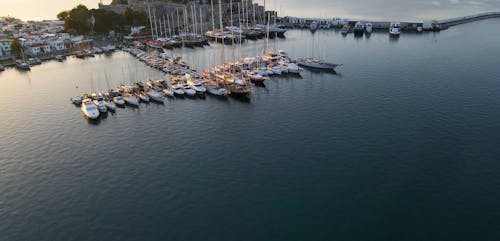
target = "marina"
x: 242, y: 126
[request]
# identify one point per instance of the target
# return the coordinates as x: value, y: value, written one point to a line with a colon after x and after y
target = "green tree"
x: 106, y: 20
x: 78, y: 20
x: 114, y: 2
x: 63, y: 15
x: 134, y: 18
x: 16, y: 47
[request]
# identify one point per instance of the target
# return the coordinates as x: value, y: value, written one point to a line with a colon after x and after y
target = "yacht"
x: 215, y: 89
x: 316, y: 64
x: 59, y: 58
x: 395, y: 29
x: 76, y: 100
x: 188, y: 90
x: 131, y: 99
x: 313, y: 26
x: 99, y: 103
x: 89, y: 110
x: 110, y: 105
x: 178, y: 90
x: 23, y: 66
x: 119, y: 101
x: 369, y: 27
x: 155, y: 96
x: 291, y: 67
x: 197, y: 86
x: 359, y: 29
x: 168, y: 92
x: 255, y: 77
x: 143, y: 96
x: 345, y: 29
x: 239, y: 87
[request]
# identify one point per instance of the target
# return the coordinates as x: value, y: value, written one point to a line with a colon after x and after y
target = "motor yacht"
x: 188, y: 90
x: 119, y: 100
x: 178, y: 90
x: 89, y: 110
x: 131, y: 99
x: 395, y: 29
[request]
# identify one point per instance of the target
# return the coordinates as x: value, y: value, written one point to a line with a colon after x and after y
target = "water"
x: 401, y: 145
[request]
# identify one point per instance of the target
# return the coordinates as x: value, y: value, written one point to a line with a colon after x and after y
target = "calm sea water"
x: 402, y: 144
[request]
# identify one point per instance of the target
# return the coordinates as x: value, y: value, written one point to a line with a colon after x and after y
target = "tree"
x: 63, y: 15
x: 16, y: 47
x: 114, y: 2
x: 134, y: 18
x: 78, y: 20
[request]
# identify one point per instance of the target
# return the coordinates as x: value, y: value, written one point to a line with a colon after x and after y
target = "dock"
x: 446, y: 23
x: 407, y: 26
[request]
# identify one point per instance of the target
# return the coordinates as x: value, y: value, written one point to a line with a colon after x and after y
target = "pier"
x: 409, y: 26
x: 446, y: 23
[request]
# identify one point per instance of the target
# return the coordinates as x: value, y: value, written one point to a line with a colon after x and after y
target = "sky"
x: 355, y: 9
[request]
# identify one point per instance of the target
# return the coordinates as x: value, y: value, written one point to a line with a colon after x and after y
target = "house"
x: 39, y: 48
x: 57, y: 45
x: 5, y: 47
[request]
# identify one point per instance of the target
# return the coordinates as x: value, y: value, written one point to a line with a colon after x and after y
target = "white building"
x: 5, y: 47
x: 39, y: 48
x: 57, y: 45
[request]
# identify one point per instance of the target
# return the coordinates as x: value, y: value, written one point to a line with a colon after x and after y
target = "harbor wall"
x: 467, y: 19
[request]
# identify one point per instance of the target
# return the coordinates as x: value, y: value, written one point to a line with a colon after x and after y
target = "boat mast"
x: 165, y: 26
x: 150, y: 21
x: 201, y: 23
x: 195, y: 24
x: 213, y: 19
x: 254, y: 21
x: 222, y: 32
x: 276, y: 32
x: 267, y: 31
x: 232, y: 31
x: 156, y: 26
x: 169, y: 27
x: 161, y: 29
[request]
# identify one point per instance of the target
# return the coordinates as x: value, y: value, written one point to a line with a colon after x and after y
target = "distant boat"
x: 23, y: 66
x: 188, y: 90
x: 316, y: 64
x: 59, y: 58
x: 143, y: 96
x: 197, y: 86
x: 109, y: 103
x: 99, y: 103
x: 89, y: 110
x: 119, y: 101
x: 215, y: 89
x: 345, y: 29
x: 155, y: 96
x: 76, y: 100
x: 395, y: 29
x: 313, y: 26
x: 359, y: 29
x: 368, y: 27
x: 131, y: 99
x: 168, y: 92
x: 178, y: 90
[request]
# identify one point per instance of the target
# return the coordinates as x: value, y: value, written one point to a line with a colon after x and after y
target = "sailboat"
x: 314, y: 63
x: 23, y: 65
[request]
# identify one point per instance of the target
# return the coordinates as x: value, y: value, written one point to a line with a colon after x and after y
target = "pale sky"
x: 355, y: 9
x: 41, y: 9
